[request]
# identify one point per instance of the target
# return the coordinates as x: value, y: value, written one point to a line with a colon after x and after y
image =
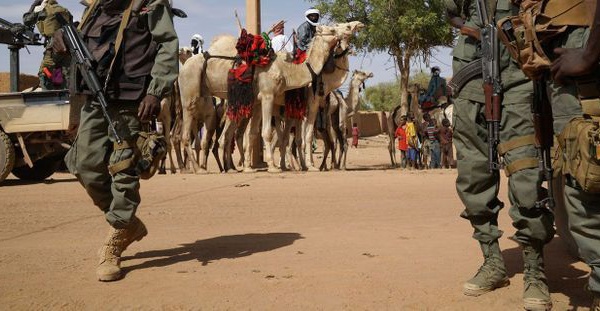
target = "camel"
x: 169, y: 107
x: 339, y: 111
x: 331, y: 81
x: 270, y: 82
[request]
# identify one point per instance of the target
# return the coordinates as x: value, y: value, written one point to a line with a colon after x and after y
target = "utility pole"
x: 253, y: 26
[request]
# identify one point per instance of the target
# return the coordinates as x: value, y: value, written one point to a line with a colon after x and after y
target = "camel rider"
x: 436, y: 92
x: 54, y: 67
x: 197, y: 44
x: 305, y: 33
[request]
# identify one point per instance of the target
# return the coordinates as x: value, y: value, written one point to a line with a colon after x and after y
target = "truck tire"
x: 42, y: 169
x: 7, y: 156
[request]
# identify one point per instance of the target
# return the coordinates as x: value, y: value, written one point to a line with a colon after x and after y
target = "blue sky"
x: 214, y: 17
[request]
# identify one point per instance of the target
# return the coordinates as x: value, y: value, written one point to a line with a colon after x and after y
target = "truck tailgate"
x: 34, y: 111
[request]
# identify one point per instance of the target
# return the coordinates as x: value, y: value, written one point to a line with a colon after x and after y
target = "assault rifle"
x: 492, y: 84
x: 544, y: 136
x: 86, y: 65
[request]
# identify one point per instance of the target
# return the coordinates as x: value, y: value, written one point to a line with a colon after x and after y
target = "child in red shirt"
x: 402, y: 141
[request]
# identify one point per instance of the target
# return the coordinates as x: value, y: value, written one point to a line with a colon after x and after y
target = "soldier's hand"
x: 149, y: 107
x: 570, y: 63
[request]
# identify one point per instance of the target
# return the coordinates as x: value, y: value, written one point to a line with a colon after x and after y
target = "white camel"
x: 331, y: 81
x: 339, y: 111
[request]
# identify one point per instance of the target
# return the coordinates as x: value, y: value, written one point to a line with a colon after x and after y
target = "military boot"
x: 491, y: 275
x: 536, y: 295
x: 109, y: 266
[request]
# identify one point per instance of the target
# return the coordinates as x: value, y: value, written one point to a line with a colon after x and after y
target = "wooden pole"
x: 253, y: 26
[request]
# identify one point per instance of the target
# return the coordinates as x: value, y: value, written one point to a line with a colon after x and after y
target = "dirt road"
x: 365, y: 239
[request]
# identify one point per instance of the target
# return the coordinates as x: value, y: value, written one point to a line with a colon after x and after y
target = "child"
x: 446, y: 140
x: 355, y: 135
x: 402, y: 141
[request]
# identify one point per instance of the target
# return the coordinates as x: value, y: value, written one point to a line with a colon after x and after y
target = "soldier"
x: 571, y: 60
x: 54, y: 67
x: 478, y: 187
x: 138, y: 63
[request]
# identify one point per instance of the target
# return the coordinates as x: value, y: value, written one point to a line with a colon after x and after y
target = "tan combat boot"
x: 536, y: 296
x: 109, y: 266
x: 491, y: 275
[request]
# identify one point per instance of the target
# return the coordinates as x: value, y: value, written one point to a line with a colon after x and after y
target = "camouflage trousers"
x: 583, y: 208
x: 118, y: 195
x: 478, y: 188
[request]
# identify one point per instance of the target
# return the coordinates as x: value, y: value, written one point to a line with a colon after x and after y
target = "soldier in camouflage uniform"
x: 54, y: 68
x: 572, y: 58
x: 477, y: 187
x: 145, y: 67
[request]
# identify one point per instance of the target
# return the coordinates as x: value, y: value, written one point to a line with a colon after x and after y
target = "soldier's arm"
x: 577, y: 62
x: 165, y: 69
x: 459, y: 23
x: 30, y: 17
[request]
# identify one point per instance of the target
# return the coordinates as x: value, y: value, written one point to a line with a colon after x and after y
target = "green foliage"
x: 382, y: 97
x: 385, y: 96
x: 393, y: 26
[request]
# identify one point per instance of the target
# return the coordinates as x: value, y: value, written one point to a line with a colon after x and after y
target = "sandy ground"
x: 366, y: 239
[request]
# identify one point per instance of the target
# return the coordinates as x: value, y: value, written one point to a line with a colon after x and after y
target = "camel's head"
x: 329, y: 34
x: 359, y: 77
x: 185, y: 53
x: 346, y: 32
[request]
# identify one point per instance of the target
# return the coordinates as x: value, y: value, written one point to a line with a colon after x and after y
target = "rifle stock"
x: 85, y: 64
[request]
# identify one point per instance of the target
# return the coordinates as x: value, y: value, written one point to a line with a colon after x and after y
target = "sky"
x: 211, y: 18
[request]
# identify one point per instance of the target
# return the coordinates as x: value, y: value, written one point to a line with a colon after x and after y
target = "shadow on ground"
x: 562, y: 276
x: 209, y: 250
x: 19, y: 182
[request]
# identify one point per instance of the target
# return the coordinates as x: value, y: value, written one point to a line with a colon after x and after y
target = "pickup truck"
x: 33, y: 133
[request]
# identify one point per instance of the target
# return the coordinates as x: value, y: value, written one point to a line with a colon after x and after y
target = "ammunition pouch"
x: 149, y: 149
x: 539, y: 22
x: 579, y: 146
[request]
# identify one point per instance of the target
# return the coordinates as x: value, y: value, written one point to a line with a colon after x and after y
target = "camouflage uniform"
x: 476, y: 186
x: 150, y: 48
x: 54, y: 68
x: 583, y: 208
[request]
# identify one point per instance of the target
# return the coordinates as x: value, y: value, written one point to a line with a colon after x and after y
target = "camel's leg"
x: 267, y: 132
x: 285, y: 148
x: 309, y: 135
x: 189, y: 126
x: 241, y: 140
x: 252, y: 134
x: 225, y: 144
x: 216, y: 146
x: 391, y: 149
x: 340, y: 130
x: 333, y: 128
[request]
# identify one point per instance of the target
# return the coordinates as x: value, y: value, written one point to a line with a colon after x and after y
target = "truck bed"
x: 34, y: 111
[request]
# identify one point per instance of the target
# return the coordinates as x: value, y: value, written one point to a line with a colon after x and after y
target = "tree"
x: 405, y: 29
x: 384, y: 96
